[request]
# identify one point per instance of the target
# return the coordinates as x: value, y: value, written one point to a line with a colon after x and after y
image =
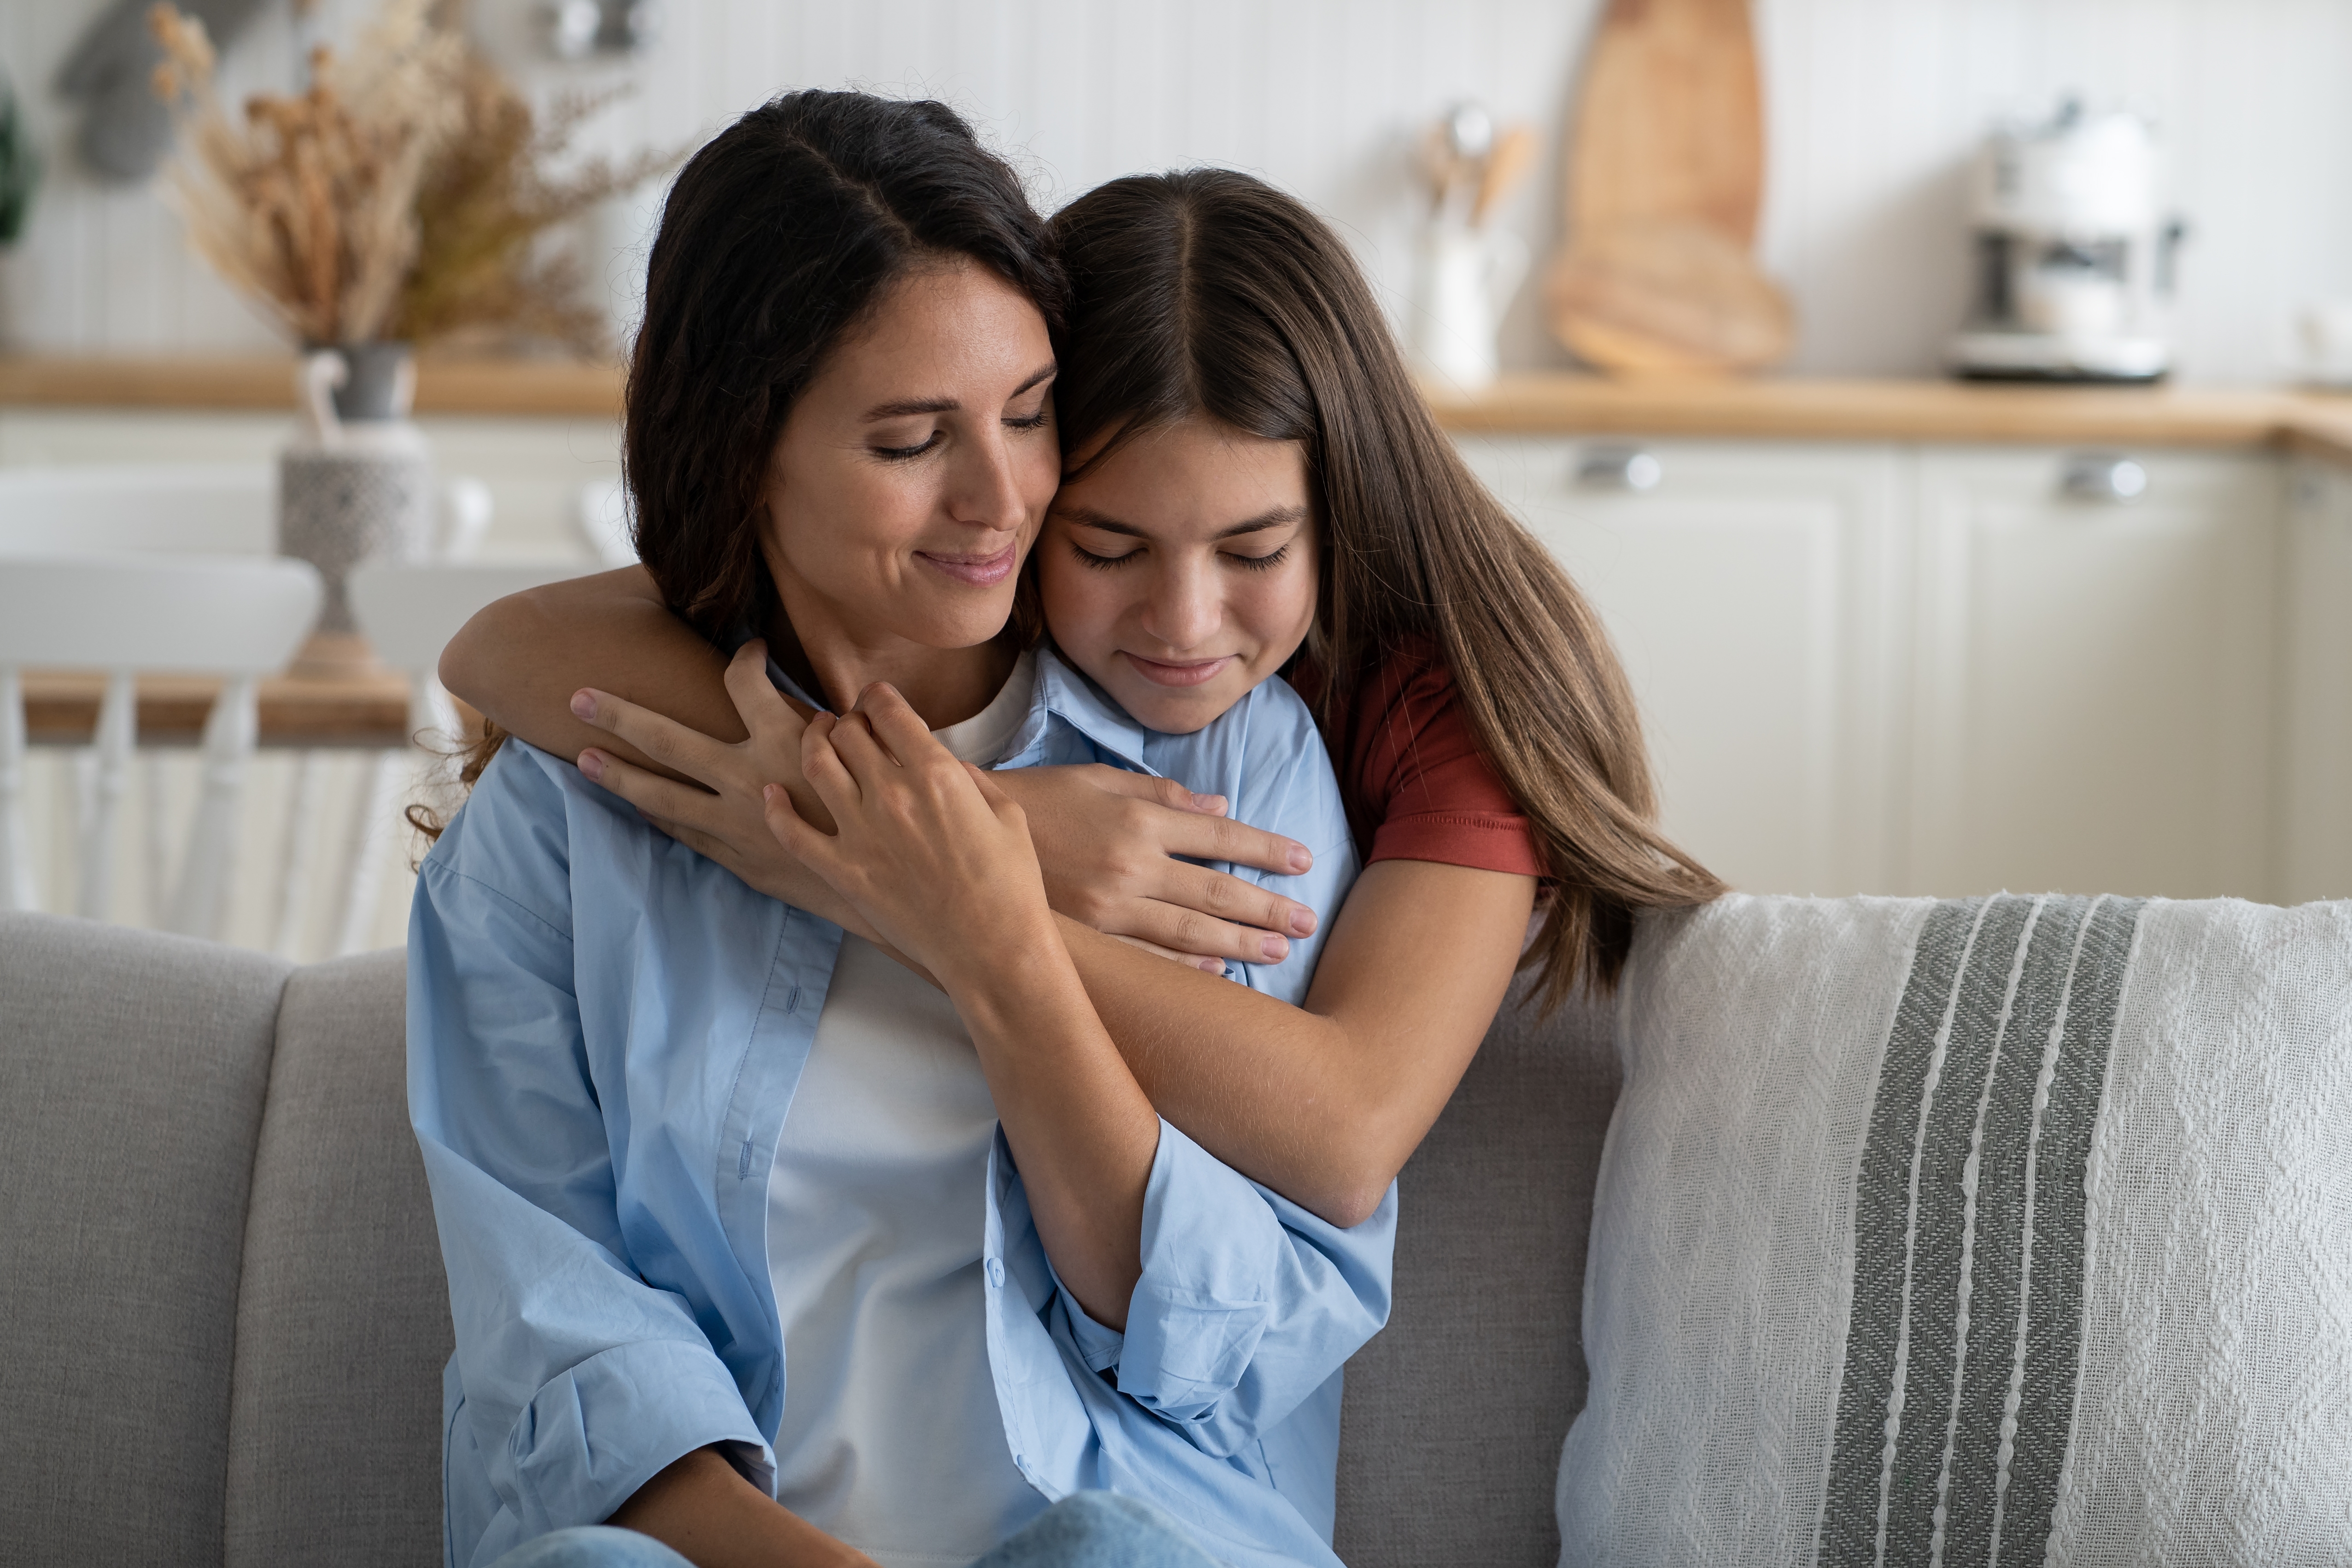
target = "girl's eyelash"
x: 1100, y: 563
x: 1266, y: 563
x: 1035, y: 422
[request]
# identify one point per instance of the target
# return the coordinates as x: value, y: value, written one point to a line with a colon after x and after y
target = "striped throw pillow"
x: 2010, y: 1230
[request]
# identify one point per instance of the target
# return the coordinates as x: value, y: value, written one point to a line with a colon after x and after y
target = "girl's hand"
x: 928, y: 850
x: 725, y: 820
x: 1108, y: 840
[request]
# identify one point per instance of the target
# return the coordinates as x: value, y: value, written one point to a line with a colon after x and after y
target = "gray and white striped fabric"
x: 2003, y: 1230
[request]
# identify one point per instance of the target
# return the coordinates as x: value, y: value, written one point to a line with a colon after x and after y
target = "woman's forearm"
x: 702, y: 1509
x: 1082, y: 1131
x: 1324, y: 1103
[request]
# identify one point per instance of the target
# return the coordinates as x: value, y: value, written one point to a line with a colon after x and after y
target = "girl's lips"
x: 978, y: 571
x: 1191, y: 672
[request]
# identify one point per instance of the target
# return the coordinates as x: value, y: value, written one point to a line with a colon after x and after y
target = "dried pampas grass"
x: 308, y: 206
x: 481, y: 275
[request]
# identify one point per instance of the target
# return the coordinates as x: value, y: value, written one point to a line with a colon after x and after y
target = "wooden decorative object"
x: 1665, y: 174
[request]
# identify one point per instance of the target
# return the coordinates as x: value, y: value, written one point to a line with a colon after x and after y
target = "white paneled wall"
x: 1875, y: 105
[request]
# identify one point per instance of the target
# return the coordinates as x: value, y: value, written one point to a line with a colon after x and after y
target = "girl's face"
x: 910, y: 477
x: 1182, y: 570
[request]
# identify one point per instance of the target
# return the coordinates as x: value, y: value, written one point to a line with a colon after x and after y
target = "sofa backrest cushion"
x: 1451, y: 1430
x: 1997, y: 1229
x: 334, y: 1433
x: 132, y: 1071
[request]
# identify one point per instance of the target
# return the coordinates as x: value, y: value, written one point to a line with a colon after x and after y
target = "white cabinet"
x: 1937, y: 669
x: 2314, y: 857
x: 2092, y: 708
x: 1751, y: 590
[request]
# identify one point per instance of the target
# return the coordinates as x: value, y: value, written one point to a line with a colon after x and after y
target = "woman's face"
x: 912, y: 475
x: 1181, y: 572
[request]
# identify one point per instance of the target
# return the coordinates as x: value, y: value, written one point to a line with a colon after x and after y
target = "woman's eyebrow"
x: 910, y: 406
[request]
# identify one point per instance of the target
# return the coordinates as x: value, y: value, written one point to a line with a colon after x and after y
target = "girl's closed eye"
x: 1103, y: 561
x: 1266, y: 562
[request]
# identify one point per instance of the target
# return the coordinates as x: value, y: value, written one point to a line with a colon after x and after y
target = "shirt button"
x: 996, y: 1273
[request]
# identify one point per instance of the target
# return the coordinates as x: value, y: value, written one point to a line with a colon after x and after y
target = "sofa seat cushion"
x: 2007, y: 1229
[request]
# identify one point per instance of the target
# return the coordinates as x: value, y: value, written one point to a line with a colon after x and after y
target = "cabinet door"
x: 1747, y: 588
x: 2093, y: 708
x: 2313, y: 857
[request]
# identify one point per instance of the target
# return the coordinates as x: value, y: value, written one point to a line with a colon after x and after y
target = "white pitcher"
x: 1464, y: 279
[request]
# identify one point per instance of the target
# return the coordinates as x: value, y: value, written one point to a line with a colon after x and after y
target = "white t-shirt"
x: 891, y: 1438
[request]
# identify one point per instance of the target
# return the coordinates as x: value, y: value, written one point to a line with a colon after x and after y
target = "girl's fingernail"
x: 1276, y: 946
x: 592, y: 764
x: 1301, y: 859
x: 1213, y: 965
x: 1302, y: 922
x: 1210, y: 803
x: 583, y: 705
x: 769, y: 792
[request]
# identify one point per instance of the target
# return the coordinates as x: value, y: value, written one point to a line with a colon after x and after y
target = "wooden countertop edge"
x: 522, y: 388
x: 1762, y: 409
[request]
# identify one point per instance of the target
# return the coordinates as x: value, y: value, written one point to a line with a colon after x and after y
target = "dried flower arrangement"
x: 402, y: 197
x: 310, y: 205
x: 481, y: 275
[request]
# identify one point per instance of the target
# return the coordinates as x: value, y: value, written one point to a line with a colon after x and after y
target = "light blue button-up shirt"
x: 604, y: 1033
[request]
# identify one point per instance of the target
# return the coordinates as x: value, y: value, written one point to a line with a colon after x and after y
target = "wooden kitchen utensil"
x: 1665, y: 174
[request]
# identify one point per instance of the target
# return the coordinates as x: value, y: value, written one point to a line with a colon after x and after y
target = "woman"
x: 755, y: 1246
x: 1486, y: 742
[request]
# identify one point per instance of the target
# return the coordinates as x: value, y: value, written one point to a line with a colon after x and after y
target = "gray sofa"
x: 223, y: 1320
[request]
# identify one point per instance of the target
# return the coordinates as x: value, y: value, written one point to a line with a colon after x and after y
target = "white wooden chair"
x: 409, y: 612
x: 237, y: 616
x: 230, y: 508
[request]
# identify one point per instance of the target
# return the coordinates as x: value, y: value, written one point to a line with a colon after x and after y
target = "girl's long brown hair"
x: 1210, y: 292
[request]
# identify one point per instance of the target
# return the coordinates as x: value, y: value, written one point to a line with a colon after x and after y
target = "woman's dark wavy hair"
x: 777, y: 237
x: 1210, y: 292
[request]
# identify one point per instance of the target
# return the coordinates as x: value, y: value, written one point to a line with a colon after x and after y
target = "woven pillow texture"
x: 2009, y: 1230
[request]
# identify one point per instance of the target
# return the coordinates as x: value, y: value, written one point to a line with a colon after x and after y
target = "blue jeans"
x: 1085, y: 1530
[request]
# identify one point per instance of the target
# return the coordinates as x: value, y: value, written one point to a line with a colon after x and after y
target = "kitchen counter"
x: 1760, y: 409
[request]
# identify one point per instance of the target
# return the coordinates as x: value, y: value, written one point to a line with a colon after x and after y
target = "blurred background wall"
x: 1874, y: 106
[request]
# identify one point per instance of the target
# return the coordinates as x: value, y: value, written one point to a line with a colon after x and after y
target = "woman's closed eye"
x: 902, y: 454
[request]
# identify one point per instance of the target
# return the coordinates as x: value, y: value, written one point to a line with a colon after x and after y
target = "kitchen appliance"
x: 2075, y: 254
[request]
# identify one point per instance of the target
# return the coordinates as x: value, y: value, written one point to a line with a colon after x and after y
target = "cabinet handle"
x: 2101, y: 477
x: 1618, y: 468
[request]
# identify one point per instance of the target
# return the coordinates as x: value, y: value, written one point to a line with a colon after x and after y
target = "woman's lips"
x: 1186, y: 672
x: 977, y: 570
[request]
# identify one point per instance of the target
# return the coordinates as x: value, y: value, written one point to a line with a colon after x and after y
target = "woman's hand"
x: 927, y: 849
x: 1108, y: 841
x: 725, y: 819
x: 938, y: 859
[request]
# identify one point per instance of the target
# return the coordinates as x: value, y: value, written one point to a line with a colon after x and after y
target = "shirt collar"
x: 1065, y: 693
x: 1061, y: 692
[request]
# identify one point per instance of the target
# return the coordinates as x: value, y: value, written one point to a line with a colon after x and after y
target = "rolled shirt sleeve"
x: 1247, y: 1303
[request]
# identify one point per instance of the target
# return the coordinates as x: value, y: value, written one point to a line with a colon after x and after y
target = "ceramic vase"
x: 355, y: 485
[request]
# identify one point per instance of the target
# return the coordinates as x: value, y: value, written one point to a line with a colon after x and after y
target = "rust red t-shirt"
x: 1417, y: 784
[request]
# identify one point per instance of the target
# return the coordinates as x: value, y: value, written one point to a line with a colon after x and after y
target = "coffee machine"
x: 2075, y: 254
